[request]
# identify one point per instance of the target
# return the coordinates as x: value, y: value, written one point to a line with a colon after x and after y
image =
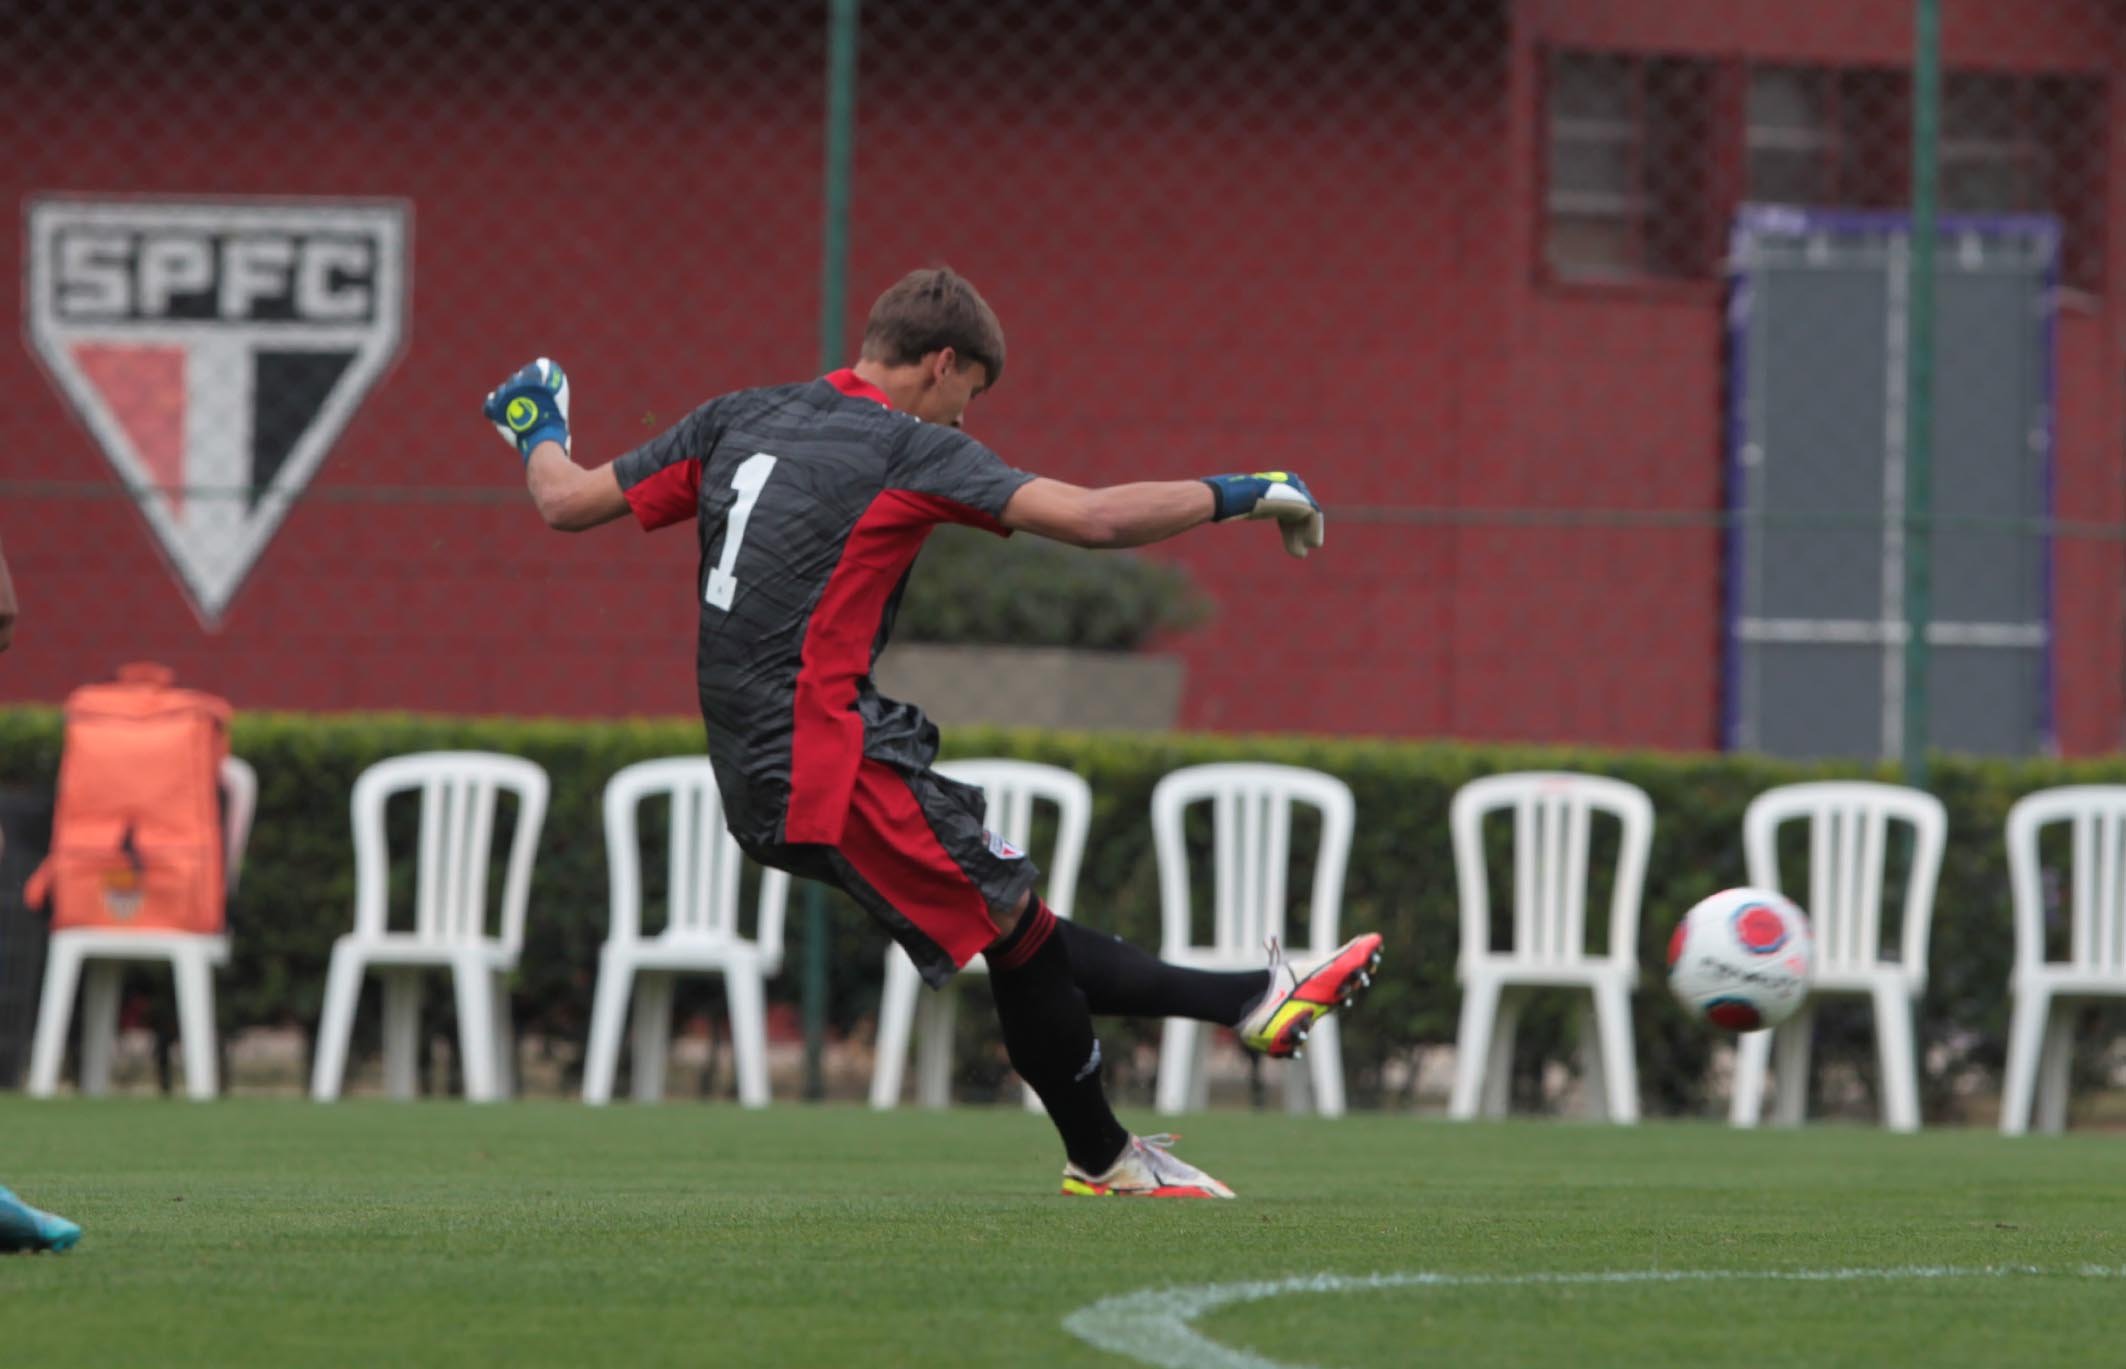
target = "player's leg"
x: 915, y: 853
x: 23, y: 1227
x: 1123, y: 980
x: 1046, y: 1022
x: 1048, y: 1033
x: 1272, y: 1009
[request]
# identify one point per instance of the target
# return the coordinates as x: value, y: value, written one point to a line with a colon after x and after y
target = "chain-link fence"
x: 1609, y: 457
x: 1595, y: 326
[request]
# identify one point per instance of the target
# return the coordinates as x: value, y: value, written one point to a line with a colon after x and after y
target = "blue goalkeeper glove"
x: 530, y: 407
x: 1271, y: 494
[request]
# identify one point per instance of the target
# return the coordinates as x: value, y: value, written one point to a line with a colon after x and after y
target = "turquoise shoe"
x: 23, y: 1227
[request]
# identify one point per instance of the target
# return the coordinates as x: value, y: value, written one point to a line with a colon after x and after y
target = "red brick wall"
x: 1347, y: 287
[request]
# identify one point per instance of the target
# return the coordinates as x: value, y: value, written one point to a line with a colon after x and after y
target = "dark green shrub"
x: 973, y: 588
x: 297, y: 891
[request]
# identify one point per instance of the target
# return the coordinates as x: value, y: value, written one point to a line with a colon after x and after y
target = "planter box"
x: 1023, y: 686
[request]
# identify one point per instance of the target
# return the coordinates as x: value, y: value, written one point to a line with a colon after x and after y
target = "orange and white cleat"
x: 1146, y: 1169
x: 1279, y: 1022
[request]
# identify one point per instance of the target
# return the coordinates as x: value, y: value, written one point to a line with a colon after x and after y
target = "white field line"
x: 1153, y: 1327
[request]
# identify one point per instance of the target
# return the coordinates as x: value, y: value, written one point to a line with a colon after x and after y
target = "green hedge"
x: 971, y: 587
x: 297, y: 891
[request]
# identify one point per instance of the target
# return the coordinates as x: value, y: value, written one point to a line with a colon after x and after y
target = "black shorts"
x: 915, y: 854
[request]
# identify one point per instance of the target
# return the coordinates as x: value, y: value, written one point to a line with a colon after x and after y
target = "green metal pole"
x: 815, y: 990
x: 841, y: 147
x: 833, y: 310
x: 1919, y: 385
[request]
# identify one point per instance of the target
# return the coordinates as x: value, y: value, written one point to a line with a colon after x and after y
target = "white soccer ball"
x: 1741, y: 959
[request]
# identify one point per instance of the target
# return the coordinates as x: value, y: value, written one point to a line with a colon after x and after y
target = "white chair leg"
x: 935, y: 1016
x: 99, y: 1025
x: 1177, y: 1061
x: 1620, y: 1066
x: 505, y: 1035
x: 195, y: 1023
x: 1498, y: 1070
x: 1900, y: 1064
x: 1593, y: 1082
x: 402, y: 1034
x: 474, y: 983
x: 749, y: 1035
x: 896, y: 1015
x: 1753, y: 1052
x: 1199, y: 1072
x: 2026, y: 1034
x: 653, y: 1033
x: 601, y: 1058
x: 1792, y: 1043
x: 1325, y: 1062
x: 1472, y: 1046
x: 1298, y: 1084
x: 343, y: 989
x: 55, y: 1008
x: 2054, y: 1066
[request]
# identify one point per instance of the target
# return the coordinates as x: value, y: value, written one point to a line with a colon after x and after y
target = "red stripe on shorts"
x: 889, y: 842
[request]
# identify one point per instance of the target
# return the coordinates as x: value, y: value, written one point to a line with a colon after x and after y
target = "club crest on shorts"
x: 216, y: 350
x: 1002, y: 849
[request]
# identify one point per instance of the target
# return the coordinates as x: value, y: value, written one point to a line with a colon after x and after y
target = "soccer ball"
x: 1741, y: 959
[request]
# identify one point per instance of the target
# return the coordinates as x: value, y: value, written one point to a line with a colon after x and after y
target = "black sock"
x: 1048, y: 1033
x: 1121, y: 980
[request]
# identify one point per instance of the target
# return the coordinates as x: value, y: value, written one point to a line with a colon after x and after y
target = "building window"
x: 1791, y: 142
x: 1817, y: 137
x: 2028, y: 145
x: 1989, y: 157
x: 1626, y: 195
x: 1645, y: 158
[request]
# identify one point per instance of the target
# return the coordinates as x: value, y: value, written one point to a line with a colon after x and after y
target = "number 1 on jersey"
x: 748, y: 480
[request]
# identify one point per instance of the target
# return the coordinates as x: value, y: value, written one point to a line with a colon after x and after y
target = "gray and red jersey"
x: 812, y: 501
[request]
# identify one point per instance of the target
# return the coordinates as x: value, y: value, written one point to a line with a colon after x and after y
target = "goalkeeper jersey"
x: 811, y: 502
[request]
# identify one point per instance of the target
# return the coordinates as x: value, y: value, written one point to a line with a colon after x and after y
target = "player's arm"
x: 569, y: 497
x: 530, y: 411
x: 1151, y: 511
x: 1117, y: 516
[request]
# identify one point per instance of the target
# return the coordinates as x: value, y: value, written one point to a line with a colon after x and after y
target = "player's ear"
x: 943, y: 362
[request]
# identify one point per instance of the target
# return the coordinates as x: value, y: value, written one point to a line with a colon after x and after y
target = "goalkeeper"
x: 811, y: 502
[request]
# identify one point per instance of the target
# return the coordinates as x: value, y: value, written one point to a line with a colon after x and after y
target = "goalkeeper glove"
x: 1271, y: 494
x: 530, y: 407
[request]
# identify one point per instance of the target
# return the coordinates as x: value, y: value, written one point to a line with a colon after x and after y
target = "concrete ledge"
x: 961, y: 686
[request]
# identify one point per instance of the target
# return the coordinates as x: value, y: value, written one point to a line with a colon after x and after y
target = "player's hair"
x: 931, y: 309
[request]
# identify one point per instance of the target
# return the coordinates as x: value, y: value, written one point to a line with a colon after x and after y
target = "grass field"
x: 280, y: 1233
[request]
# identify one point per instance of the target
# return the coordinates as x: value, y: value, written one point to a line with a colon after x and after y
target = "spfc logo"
x: 216, y: 349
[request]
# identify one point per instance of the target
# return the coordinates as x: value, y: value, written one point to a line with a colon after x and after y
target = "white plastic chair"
x: 1251, y: 839
x: 2047, y: 993
x: 1849, y: 822
x: 701, y: 933
x: 1012, y: 788
x: 458, y: 792
x: 1553, y: 817
x: 90, y: 957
